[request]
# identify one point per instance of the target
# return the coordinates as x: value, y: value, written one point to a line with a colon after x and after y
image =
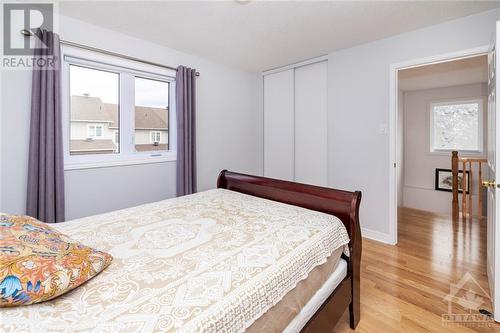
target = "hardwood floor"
x: 403, y: 287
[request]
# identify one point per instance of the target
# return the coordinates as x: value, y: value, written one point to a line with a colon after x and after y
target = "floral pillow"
x: 37, y: 263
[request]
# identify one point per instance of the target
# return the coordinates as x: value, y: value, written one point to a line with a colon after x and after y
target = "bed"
x: 255, y: 254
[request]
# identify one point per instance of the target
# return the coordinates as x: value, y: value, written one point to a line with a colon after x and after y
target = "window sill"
x: 461, y: 153
x: 123, y: 162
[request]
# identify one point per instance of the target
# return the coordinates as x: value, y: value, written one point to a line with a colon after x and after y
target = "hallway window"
x: 457, y: 126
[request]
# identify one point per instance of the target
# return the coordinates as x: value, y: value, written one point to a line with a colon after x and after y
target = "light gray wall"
x: 420, y: 163
x: 15, y: 100
x: 229, y: 131
x: 93, y: 191
x: 359, y: 103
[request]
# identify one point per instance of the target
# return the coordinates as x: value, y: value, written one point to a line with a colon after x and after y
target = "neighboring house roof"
x: 150, y: 147
x: 92, y: 145
x: 150, y: 118
x: 92, y: 109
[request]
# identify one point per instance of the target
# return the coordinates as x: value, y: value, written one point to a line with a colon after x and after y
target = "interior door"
x: 493, y: 233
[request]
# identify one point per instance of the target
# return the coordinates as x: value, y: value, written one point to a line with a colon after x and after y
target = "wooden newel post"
x: 454, y: 172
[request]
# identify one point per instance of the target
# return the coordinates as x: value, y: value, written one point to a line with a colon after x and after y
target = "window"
x: 155, y: 137
x: 457, y: 125
x: 115, y: 111
x: 95, y: 131
x: 93, y: 98
x: 151, y: 114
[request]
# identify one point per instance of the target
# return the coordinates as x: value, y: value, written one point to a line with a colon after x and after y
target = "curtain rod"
x: 28, y: 33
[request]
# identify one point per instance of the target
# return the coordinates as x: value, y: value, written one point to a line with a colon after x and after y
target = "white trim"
x: 377, y: 236
x: 491, y: 284
x: 296, y: 65
x: 393, y: 118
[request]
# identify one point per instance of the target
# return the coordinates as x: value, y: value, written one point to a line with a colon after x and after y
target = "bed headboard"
x: 343, y: 204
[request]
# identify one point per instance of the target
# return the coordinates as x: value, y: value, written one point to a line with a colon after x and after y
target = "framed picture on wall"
x: 444, y: 180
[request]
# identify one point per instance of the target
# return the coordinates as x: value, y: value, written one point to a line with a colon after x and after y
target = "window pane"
x: 94, y: 111
x: 98, y: 131
x: 456, y: 126
x: 151, y: 115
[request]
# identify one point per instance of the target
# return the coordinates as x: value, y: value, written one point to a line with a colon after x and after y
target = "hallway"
x: 403, y: 287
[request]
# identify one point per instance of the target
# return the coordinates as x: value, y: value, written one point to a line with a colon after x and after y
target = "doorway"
x: 440, y: 106
x: 394, y: 119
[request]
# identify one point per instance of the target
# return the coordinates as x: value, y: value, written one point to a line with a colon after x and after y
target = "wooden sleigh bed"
x: 224, y: 260
x: 342, y: 204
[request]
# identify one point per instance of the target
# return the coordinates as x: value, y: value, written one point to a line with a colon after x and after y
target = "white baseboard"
x: 377, y: 236
x: 489, y: 273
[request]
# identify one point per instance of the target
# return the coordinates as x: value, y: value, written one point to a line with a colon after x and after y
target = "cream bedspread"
x: 209, y: 262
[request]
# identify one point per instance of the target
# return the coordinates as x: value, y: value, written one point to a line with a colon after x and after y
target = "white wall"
x: 229, y: 131
x: 419, y: 162
x: 359, y: 104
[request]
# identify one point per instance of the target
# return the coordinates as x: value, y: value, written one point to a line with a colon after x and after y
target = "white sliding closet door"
x: 310, y: 124
x: 279, y: 125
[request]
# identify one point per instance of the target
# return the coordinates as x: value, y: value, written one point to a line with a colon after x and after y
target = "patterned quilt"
x: 214, y: 261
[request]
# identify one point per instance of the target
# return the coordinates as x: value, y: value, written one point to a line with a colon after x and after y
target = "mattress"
x: 319, y: 297
x: 294, y: 310
x: 213, y: 261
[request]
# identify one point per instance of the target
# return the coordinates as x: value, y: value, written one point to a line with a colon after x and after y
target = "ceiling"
x: 260, y: 35
x: 445, y: 74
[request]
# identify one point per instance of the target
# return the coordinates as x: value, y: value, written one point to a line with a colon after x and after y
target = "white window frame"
x: 128, y: 70
x: 156, y: 134
x: 480, y: 125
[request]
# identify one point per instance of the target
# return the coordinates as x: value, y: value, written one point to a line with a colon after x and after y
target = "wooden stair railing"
x: 466, y: 208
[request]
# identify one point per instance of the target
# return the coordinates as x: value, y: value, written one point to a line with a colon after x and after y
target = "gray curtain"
x: 45, y: 194
x: 186, y: 141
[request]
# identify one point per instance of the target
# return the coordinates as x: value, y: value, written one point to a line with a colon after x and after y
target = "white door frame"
x: 393, y: 121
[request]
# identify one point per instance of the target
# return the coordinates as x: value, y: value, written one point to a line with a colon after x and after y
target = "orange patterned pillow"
x: 37, y: 263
